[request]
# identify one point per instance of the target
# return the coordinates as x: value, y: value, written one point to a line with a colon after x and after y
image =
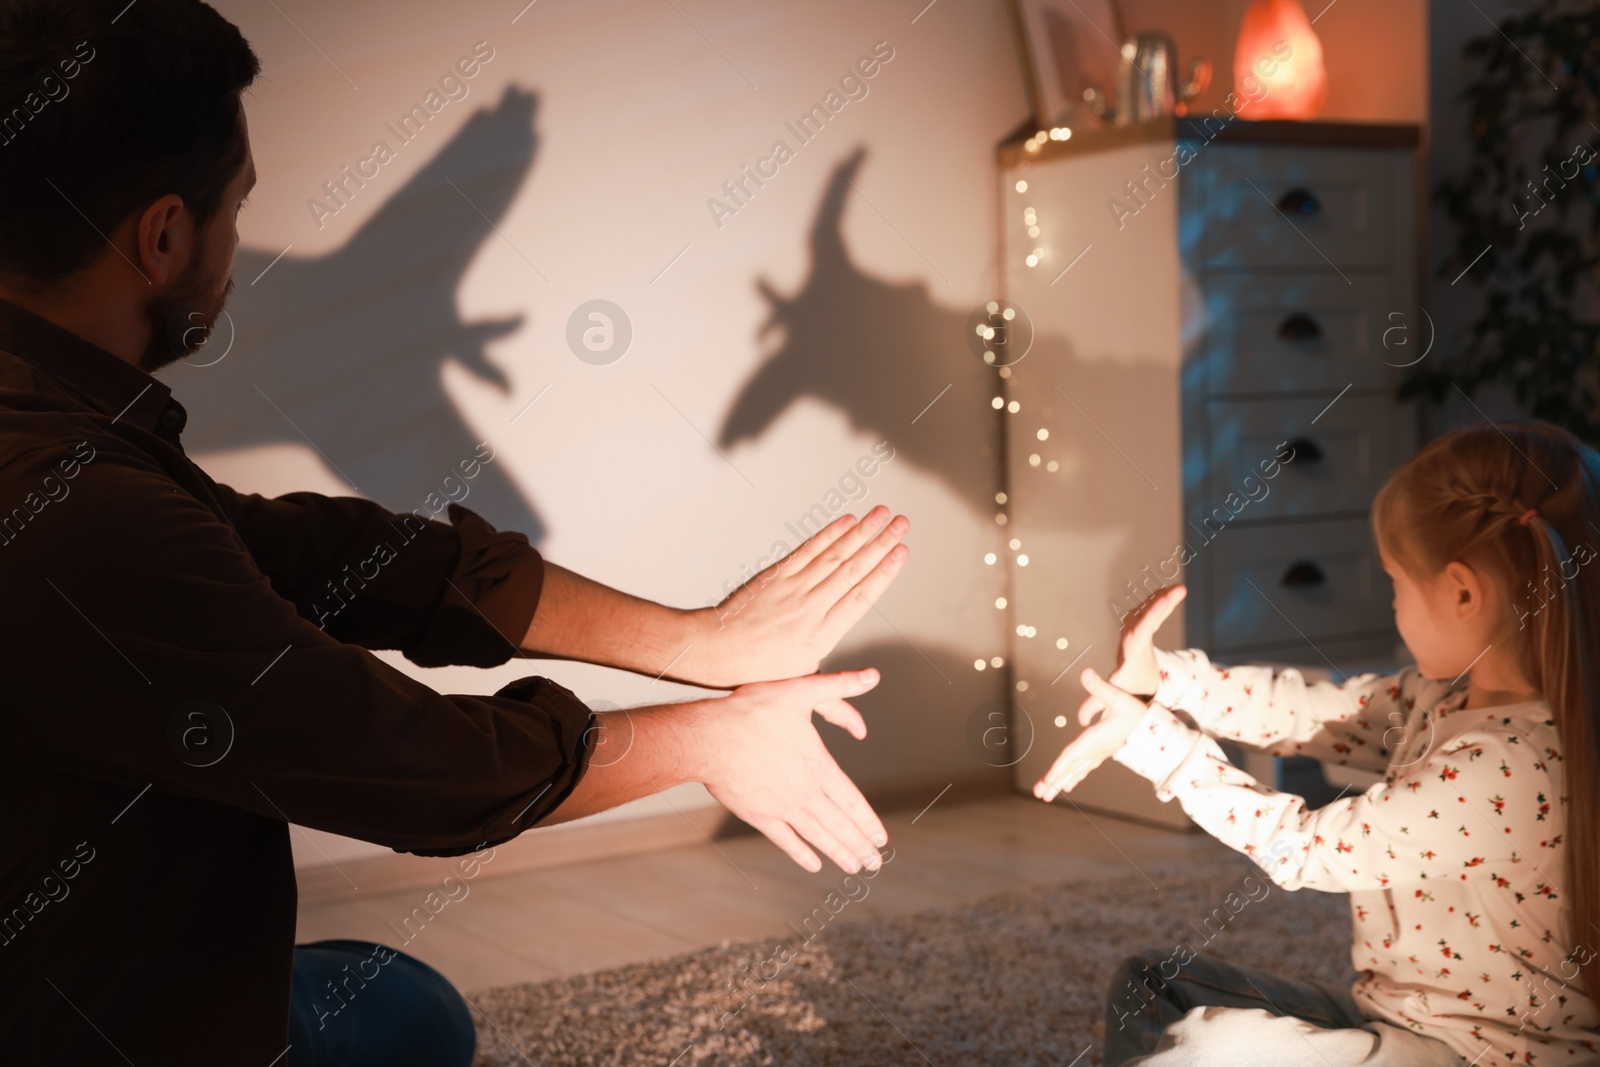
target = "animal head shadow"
x: 897, y: 364
x: 877, y: 351
x: 343, y: 351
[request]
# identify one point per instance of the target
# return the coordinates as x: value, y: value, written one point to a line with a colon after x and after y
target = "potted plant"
x: 1526, y: 218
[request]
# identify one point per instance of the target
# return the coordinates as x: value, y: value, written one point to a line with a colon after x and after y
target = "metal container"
x: 1147, y: 82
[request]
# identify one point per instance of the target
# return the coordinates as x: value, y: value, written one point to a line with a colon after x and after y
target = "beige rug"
x: 1013, y: 979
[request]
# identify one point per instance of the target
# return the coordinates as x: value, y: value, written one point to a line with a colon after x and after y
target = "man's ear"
x: 165, y: 240
x: 1466, y: 589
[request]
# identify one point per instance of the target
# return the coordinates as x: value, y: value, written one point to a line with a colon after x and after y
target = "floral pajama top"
x: 1453, y: 863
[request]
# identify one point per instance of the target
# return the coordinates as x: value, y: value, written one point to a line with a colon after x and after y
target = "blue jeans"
x: 361, y: 1004
x: 1202, y: 1012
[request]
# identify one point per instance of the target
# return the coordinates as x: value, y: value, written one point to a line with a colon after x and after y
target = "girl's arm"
x: 1473, y: 807
x: 1360, y: 723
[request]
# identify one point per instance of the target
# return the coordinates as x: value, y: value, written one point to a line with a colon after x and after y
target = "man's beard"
x: 181, y: 321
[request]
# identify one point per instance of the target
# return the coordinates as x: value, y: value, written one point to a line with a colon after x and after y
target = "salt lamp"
x: 1277, y: 65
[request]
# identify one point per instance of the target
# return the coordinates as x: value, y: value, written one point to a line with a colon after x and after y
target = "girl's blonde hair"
x: 1467, y: 497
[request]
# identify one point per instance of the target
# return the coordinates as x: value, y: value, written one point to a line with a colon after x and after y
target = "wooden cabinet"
x: 1215, y: 323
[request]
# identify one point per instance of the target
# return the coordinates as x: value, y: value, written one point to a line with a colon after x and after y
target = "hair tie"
x: 1526, y: 515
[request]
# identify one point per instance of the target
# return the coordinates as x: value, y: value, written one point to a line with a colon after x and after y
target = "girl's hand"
x: 1137, y: 671
x: 1099, y: 742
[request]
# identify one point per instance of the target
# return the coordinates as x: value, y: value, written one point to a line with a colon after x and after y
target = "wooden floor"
x: 528, y: 927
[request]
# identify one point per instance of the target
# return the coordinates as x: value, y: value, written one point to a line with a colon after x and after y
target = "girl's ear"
x: 1465, y: 588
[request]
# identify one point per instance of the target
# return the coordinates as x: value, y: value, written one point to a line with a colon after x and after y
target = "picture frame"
x: 1067, y: 46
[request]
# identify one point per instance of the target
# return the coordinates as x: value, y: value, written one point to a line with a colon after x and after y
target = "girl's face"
x: 1442, y: 620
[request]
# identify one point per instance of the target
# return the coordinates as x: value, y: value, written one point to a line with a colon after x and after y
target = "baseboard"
x: 558, y: 846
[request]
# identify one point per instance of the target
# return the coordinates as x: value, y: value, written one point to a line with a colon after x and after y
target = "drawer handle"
x: 1298, y: 201
x: 1302, y: 575
x: 1305, y: 450
x: 1299, y: 327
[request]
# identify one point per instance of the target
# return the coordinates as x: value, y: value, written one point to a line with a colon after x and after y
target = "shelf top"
x: 1013, y: 149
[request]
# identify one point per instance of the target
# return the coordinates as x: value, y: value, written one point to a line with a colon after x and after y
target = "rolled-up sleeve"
x: 456, y: 593
x: 302, y: 726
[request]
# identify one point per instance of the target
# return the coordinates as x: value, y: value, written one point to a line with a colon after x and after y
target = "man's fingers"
x: 835, y: 583
x: 843, y: 714
x: 853, y: 604
x: 845, y: 831
x: 820, y: 688
x: 780, y: 834
x: 841, y: 548
x: 821, y: 837
x: 818, y: 543
x: 843, y: 792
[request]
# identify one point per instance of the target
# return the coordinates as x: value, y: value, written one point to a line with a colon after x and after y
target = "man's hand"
x: 764, y: 761
x: 758, y: 753
x: 1097, y: 743
x: 779, y: 624
x: 782, y: 622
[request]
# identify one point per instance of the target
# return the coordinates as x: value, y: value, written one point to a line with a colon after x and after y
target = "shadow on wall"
x: 344, y: 351
x: 881, y: 351
x: 918, y: 716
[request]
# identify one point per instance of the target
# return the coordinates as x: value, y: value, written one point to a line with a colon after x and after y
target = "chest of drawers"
x: 1215, y: 318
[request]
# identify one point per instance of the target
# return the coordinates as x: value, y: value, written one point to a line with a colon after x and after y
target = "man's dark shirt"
x: 147, y: 893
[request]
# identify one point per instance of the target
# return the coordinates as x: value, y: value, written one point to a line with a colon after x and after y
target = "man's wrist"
x: 678, y: 732
x: 700, y: 633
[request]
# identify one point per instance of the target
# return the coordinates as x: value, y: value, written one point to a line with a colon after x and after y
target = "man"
x: 172, y: 701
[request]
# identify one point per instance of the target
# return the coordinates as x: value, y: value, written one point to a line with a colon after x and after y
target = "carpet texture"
x: 1017, y: 978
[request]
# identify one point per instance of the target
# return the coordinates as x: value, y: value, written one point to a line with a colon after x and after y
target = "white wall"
x: 640, y: 117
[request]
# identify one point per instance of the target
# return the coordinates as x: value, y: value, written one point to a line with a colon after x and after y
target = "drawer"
x: 1339, y: 461
x: 1311, y: 579
x: 1278, y: 333
x: 1297, y: 207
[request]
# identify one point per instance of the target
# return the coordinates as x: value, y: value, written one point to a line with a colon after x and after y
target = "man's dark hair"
x: 105, y: 107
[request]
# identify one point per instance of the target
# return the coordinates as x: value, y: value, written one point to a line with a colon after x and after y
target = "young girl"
x: 1473, y: 868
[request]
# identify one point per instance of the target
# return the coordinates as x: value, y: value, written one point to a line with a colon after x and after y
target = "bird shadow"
x: 344, y: 351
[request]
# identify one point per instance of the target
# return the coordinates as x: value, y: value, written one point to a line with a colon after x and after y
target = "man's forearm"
x: 580, y: 619
x: 635, y: 753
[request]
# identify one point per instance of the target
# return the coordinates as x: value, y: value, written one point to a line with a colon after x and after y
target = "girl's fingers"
x: 1158, y: 610
x: 1090, y: 707
x: 843, y: 714
x: 1056, y: 769
x: 1110, y: 694
x: 1064, y: 777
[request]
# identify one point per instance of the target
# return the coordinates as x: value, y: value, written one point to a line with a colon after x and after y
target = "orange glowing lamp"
x: 1277, y: 66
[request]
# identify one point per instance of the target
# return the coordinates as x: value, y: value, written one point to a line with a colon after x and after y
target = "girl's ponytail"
x: 1521, y: 501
